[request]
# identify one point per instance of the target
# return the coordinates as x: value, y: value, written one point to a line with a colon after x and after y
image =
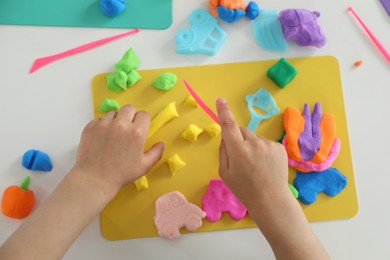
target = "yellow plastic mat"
x: 131, y: 213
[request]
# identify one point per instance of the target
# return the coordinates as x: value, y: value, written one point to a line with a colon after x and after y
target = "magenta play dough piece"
x: 311, y: 137
x: 317, y: 167
x: 220, y: 199
x: 301, y: 26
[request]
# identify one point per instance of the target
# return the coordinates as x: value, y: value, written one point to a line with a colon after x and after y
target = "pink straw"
x: 201, y: 103
x: 372, y: 36
x: 40, y: 62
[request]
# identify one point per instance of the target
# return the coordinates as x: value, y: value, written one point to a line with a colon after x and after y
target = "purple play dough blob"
x: 310, y: 139
x: 300, y: 25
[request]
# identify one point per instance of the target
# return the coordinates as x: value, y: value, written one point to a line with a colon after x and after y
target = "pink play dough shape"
x: 317, y: 167
x: 220, y: 199
x: 173, y: 212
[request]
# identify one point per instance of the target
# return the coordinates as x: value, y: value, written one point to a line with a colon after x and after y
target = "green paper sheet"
x: 145, y: 14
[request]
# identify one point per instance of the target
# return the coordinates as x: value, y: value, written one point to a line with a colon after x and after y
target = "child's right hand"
x: 254, y: 168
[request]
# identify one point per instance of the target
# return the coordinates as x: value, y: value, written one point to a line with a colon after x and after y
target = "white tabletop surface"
x: 48, y: 110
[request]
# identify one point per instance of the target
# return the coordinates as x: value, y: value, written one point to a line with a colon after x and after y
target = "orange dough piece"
x: 294, y: 123
x: 17, y: 203
x: 230, y: 4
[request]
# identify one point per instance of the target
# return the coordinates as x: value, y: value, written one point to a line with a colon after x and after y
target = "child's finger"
x: 127, y: 113
x: 152, y: 156
x: 109, y: 116
x: 223, y: 159
x: 230, y: 132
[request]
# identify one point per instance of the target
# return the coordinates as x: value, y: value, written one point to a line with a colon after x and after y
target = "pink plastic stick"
x: 201, y: 103
x: 372, y: 36
x: 40, y: 62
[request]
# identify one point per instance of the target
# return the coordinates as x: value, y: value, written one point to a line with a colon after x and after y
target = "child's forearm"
x: 285, y: 227
x: 50, y: 231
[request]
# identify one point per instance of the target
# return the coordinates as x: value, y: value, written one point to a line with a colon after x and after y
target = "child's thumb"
x: 152, y: 156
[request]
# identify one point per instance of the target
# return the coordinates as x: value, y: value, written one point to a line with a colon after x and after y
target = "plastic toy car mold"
x: 204, y: 37
x: 173, y: 212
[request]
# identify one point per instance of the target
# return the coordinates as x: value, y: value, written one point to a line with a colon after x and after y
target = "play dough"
x: 36, y: 160
x: 309, y: 184
x: 301, y: 26
x: 165, y: 81
x: 133, y: 77
x: 213, y: 130
x: 220, y: 199
x: 282, y: 72
x: 165, y: 115
x: 190, y: 101
x: 17, y: 202
x: 191, y: 133
x: 109, y: 105
x: 112, y: 7
x: 128, y: 62
x: 175, y: 164
x: 173, y: 212
x: 141, y: 183
x: 310, y: 140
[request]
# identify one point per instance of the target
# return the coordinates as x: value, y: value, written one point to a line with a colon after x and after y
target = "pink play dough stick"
x: 40, y: 62
x: 201, y: 103
x: 372, y: 36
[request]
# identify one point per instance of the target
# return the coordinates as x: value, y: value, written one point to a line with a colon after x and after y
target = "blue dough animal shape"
x: 309, y: 184
x: 36, y: 160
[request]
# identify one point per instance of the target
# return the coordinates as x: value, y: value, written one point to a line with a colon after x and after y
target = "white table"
x: 48, y: 110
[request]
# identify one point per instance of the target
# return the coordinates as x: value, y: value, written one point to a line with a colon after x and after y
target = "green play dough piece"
x: 128, y: 62
x: 133, y: 77
x: 111, y: 82
x: 25, y: 183
x: 293, y: 190
x: 165, y: 81
x: 121, y: 79
x: 109, y: 105
x: 282, y: 72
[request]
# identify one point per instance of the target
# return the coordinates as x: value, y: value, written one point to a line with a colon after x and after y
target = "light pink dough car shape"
x: 173, y: 212
x: 220, y: 199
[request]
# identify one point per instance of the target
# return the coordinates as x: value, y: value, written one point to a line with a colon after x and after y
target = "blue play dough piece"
x: 229, y: 15
x: 112, y: 7
x: 36, y: 160
x: 204, y: 37
x: 309, y: 184
x: 252, y: 10
x: 264, y: 100
x: 268, y: 31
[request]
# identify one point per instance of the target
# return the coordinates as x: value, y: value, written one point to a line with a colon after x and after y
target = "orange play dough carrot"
x: 17, y: 201
x: 328, y: 129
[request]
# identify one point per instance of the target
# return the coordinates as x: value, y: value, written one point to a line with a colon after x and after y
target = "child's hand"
x: 254, y: 168
x: 111, y: 150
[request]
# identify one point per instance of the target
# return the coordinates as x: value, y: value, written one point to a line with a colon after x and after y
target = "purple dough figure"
x: 301, y: 26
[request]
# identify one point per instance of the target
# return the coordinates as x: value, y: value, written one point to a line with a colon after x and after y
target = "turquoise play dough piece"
x: 268, y: 32
x: 204, y: 37
x: 36, y: 160
x: 112, y: 7
x: 165, y: 81
x: 144, y: 14
x: 108, y: 105
x: 309, y: 184
x: 264, y: 100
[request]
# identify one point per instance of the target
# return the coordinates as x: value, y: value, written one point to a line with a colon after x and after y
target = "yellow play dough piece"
x: 175, y: 164
x: 191, y: 133
x: 168, y: 113
x: 141, y: 183
x: 190, y: 101
x: 213, y: 130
